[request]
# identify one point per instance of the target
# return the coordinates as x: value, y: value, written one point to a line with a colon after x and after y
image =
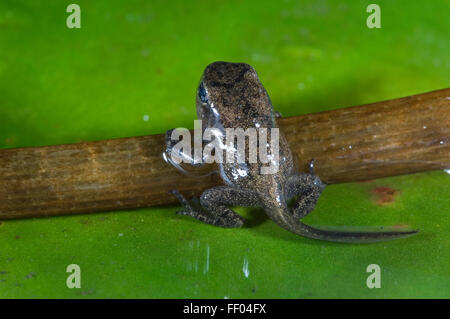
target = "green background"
x: 137, y: 58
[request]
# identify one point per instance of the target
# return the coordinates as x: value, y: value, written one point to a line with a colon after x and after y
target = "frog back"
x: 230, y: 95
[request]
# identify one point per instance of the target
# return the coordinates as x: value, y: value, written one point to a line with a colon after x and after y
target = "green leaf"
x: 132, y: 69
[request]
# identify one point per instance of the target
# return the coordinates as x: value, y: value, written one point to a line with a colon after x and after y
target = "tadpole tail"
x: 302, y: 229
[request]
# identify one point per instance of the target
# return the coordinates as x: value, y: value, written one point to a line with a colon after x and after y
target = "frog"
x: 231, y: 95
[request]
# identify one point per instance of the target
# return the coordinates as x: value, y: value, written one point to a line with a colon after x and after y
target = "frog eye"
x: 202, y: 94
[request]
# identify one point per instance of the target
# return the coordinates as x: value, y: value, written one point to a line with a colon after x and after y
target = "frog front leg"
x: 180, y: 152
x: 212, y: 207
x: 194, y: 167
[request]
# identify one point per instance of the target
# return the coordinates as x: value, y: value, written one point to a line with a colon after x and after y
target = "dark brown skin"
x: 230, y: 95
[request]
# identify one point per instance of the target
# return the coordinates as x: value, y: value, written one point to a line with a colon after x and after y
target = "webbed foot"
x: 211, y: 208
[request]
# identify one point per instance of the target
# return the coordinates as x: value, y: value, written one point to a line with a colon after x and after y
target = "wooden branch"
x: 395, y: 137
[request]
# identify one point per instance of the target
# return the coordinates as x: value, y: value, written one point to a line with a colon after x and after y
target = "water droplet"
x: 245, y: 268
x: 207, y: 260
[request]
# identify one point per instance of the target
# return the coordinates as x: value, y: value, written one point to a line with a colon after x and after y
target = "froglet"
x: 230, y: 95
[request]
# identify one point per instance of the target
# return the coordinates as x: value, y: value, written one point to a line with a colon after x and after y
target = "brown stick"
x: 395, y: 137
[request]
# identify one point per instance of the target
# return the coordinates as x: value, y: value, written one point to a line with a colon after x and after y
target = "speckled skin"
x: 230, y: 95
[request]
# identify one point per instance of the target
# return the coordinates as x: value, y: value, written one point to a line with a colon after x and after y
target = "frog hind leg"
x: 212, y: 207
x: 306, y: 189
